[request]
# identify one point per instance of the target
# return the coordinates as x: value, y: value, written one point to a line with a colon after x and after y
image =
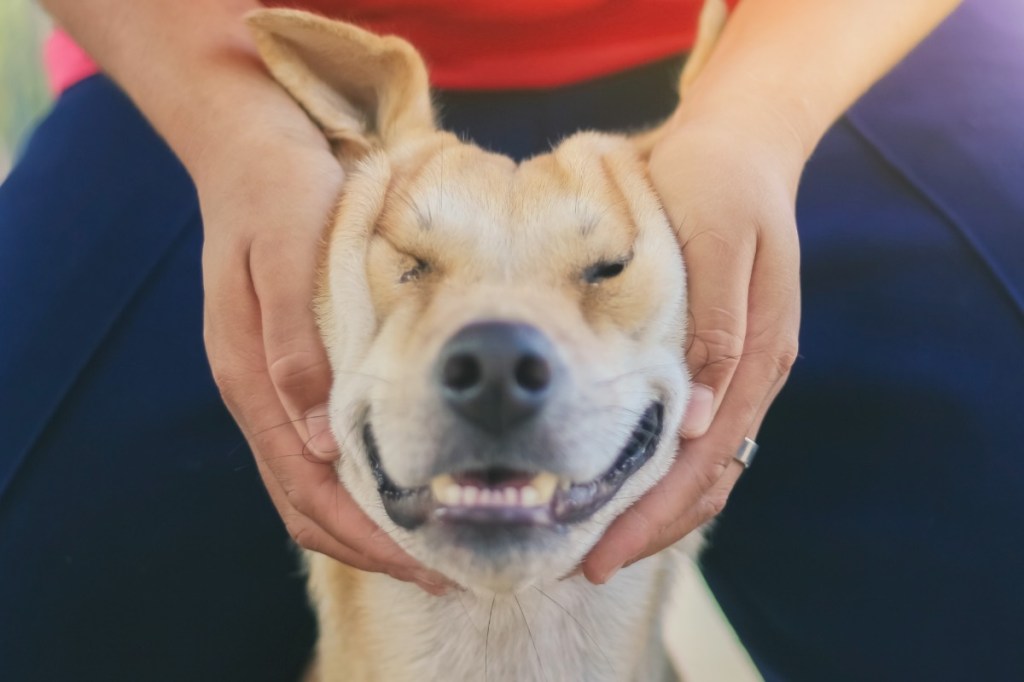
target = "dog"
x: 507, y: 346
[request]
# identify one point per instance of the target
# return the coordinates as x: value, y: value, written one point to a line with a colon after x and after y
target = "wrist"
x: 752, y: 137
x: 244, y: 112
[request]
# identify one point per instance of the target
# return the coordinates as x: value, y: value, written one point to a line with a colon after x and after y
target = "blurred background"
x: 23, y: 92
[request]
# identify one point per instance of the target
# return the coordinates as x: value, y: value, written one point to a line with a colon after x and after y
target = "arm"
x: 192, y: 69
x: 727, y: 171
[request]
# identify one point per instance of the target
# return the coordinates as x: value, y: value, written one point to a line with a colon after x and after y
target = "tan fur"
x: 433, y: 234
x: 335, y: 588
x: 709, y: 27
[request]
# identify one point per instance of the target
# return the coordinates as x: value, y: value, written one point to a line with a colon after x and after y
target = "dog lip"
x: 570, y: 502
x: 407, y: 507
x: 580, y: 500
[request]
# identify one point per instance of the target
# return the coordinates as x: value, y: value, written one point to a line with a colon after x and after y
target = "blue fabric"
x: 880, y: 534
x: 136, y: 542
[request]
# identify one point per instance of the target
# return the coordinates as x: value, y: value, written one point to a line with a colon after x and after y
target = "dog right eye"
x: 416, y: 272
x: 604, y: 270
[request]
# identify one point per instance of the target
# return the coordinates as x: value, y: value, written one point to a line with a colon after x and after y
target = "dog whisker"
x: 586, y: 633
x: 465, y: 609
x: 487, y: 636
x: 529, y: 632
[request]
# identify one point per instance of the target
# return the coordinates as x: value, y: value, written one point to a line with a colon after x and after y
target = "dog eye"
x: 604, y: 270
x: 419, y: 270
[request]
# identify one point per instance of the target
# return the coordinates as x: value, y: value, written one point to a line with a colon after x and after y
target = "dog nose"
x: 497, y: 375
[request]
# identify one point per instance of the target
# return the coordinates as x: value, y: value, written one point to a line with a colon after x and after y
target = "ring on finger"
x: 745, y: 454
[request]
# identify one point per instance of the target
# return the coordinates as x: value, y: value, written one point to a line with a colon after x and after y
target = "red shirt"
x: 493, y: 44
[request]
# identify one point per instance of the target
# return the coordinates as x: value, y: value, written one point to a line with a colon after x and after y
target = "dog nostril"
x: 533, y: 373
x: 461, y: 372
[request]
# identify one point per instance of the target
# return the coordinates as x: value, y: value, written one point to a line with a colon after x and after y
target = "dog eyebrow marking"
x: 621, y: 199
x: 423, y: 213
x: 589, y: 223
x: 569, y: 173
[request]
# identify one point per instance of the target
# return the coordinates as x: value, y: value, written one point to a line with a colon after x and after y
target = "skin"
x: 727, y: 173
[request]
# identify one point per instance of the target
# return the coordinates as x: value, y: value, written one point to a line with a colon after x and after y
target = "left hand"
x: 729, y: 190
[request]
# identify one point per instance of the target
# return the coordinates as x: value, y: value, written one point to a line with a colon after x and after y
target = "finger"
x: 691, y: 493
x: 299, y: 488
x: 311, y: 537
x: 713, y: 501
x: 313, y: 490
x: 284, y: 274
x: 719, y: 264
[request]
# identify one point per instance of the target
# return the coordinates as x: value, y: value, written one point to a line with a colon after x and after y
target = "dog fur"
x: 433, y: 234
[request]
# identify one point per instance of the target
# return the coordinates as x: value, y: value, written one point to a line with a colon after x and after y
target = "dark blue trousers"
x: 880, y: 535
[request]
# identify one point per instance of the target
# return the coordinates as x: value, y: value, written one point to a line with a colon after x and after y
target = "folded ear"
x: 713, y: 16
x: 364, y: 91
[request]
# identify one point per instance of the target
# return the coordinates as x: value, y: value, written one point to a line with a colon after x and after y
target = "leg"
x: 136, y: 541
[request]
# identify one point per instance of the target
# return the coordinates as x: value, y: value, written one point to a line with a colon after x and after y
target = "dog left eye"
x: 604, y: 270
x: 416, y: 272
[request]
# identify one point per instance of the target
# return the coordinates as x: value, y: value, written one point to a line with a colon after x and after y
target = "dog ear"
x: 364, y: 91
x: 713, y: 16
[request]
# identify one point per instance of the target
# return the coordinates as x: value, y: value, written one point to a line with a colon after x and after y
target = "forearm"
x: 191, y: 68
x: 792, y: 67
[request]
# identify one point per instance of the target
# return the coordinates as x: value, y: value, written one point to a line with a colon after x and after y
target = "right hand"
x: 265, y: 199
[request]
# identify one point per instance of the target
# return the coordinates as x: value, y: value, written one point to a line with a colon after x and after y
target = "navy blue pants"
x: 880, y: 534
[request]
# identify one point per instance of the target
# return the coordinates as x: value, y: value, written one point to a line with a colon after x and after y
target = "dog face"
x: 506, y: 339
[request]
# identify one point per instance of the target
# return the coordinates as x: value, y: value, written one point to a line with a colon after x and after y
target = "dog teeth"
x: 544, y: 483
x: 538, y: 492
x: 452, y: 495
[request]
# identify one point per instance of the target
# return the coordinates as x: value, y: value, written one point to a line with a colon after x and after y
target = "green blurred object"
x: 23, y: 92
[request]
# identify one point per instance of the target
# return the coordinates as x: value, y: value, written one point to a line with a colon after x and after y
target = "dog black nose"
x: 497, y: 375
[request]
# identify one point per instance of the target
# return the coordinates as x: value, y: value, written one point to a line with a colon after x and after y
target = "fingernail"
x: 434, y: 583
x: 321, y: 441
x: 604, y: 579
x: 697, y: 419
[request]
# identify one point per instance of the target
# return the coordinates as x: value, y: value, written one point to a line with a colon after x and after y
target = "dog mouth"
x: 499, y: 496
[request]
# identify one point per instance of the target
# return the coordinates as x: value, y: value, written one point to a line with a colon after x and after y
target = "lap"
x: 136, y: 541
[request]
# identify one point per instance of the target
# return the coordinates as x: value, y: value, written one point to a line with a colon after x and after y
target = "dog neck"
x: 376, y: 628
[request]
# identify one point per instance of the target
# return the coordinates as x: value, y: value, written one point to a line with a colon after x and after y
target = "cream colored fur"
x: 432, y: 234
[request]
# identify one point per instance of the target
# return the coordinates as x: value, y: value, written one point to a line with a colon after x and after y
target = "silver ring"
x: 745, y: 455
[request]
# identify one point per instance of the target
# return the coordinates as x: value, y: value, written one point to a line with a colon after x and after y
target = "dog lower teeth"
x: 536, y: 493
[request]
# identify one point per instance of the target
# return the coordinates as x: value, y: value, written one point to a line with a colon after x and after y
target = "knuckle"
x: 785, y: 357
x: 296, y: 497
x: 294, y: 368
x: 224, y: 378
x: 301, y: 533
x: 720, y: 245
x: 707, y: 475
x: 778, y: 352
x: 713, y: 504
x: 719, y: 347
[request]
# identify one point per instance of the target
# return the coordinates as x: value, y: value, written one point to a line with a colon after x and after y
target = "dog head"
x: 506, y: 339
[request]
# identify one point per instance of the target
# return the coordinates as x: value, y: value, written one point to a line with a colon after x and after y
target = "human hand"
x: 729, y: 190
x: 265, y: 201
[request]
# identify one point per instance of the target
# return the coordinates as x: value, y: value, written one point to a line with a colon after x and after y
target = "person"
x: 130, y: 528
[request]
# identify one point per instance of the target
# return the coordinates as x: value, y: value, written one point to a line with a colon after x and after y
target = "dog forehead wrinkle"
x: 454, y: 187
x: 568, y: 196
